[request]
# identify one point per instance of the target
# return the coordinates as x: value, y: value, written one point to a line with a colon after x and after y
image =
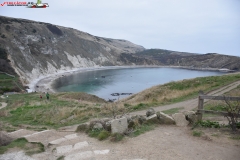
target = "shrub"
x: 7, y: 27
x: 103, y: 135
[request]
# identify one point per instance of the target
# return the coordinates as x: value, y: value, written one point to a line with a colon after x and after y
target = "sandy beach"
x: 44, y: 83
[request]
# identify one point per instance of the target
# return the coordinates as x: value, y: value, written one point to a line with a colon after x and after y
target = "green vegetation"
x: 7, y: 27
x: 172, y: 111
x: 22, y: 143
x: 29, y: 109
x: 103, y: 135
x: 177, y: 91
x: 9, y: 83
x: 235, y: 137
x: 116, y: 137
x: 73, y: 108
x: 61, y: 158
x: 197, y: 133
x: 142, y: 129
x: 208, y: 124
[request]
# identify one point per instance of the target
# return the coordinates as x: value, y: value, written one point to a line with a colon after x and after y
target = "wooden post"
x: 200, y: 106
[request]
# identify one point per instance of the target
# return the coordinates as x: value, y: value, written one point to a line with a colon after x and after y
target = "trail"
x: 3, y: 104
x: 192, y: 103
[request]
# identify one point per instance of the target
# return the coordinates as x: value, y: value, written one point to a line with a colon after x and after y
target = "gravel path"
x: 192, y: 103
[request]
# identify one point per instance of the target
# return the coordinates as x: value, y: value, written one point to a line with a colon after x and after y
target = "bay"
x: 103, y: 83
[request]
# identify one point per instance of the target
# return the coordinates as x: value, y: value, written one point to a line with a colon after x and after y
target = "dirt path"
x: 192, y: 103
x: 3, y: 104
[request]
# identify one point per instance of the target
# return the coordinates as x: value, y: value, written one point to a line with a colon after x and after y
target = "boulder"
x: 98, y: 126
x: 190, y: 116
x: 119, y: 125
x: 107, y: 126
x: 164, y: 118
x: 82, y: 127
x: 150, y: 112
x: 153, y: 119
x: 180, y: 119
x: 141, y: 119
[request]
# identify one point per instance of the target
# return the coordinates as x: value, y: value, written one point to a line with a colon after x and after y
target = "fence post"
x: 200, y: 106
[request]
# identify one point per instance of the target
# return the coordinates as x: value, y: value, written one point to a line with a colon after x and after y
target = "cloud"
x: 185, y: 25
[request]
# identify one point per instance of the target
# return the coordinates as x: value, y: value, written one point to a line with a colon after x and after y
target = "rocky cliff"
x: 192, y: 60
x: 36, y: 49
x: 33, y: 49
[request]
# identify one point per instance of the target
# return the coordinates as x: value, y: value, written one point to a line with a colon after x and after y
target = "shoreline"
x: 44, y: 83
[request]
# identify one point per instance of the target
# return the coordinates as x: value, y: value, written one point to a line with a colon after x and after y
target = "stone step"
x: 63, y: 139
x: 20, y: 133
x: 63, y: 150
x: 86, y: 154
x: 45, y: 136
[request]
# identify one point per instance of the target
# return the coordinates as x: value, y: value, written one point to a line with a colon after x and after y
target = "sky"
x: 197, y: 26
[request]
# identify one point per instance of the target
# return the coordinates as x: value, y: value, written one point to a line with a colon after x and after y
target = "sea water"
x: 103, y: 83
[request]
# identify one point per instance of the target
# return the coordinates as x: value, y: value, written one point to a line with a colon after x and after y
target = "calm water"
x: 103, y: 83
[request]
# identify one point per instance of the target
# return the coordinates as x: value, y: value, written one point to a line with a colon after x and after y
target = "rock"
x: 119, y: 125
x: 107, y: 126
x: 141, y: 119
x: 98, y: 126
x: 164, y: 118
x: 153, y: 119
x: 82, y: 127
x: 190, y: 116
x: 150, y: 112
x: 180, y: 119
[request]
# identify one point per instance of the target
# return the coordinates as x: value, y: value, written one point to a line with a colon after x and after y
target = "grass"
x: 29, y: 109
x: 65, y: 108
x: 172, y: 111
x: 21, y: 143
x: 8, y: 83
x: 177, y: 91
x: 197, y: 133
x: 237, y: 137
x: 142, y: 129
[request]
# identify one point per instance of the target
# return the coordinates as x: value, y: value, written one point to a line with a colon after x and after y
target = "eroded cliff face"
x: 38, y: 49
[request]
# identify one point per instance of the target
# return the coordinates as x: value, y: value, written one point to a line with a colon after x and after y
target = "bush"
x: 7, y: 27
x: 103, y: 135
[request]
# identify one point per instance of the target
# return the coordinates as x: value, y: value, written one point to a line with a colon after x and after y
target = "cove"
x: 103, y: 83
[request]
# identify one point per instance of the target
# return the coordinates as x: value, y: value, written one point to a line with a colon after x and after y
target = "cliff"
x: 33, y: 49
x: 36, y: 49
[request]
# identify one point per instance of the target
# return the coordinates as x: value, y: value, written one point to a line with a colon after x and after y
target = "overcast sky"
x: 198, y: 26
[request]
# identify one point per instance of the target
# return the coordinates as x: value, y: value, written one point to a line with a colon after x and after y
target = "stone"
x: 64, y: 149
x: 152, y: 119
x: 180, y: 119
x: 98, y: 126
x: 190, y: 116
x: 80, y: 145
x: 150, y: 112
x: 164, y: 118
x: 101, y: 151
x: 79, y: 155
x: 141, y: 119
x: 107, y: 126
x: 119, y: 125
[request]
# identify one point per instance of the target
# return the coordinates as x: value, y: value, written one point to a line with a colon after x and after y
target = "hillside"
x: 209, y: 60
x: 33, y: 49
